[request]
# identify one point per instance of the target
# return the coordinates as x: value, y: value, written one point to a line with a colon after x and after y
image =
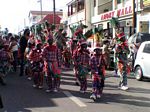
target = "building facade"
x: 99, y: 12
x: 143, y: 15
x: 79, y: 11
x: 105, y: 10
x: 35, y: 16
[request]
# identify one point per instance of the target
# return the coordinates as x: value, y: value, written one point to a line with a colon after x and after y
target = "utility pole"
x: 41, y: 8
x: 134, y: 17
x: 54, y: 12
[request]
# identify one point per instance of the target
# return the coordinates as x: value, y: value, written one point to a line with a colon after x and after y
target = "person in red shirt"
x: 75, y: 65
x: 97, y: 63
x: 66, y: 57
x: 51, y: 58
x: 82, y: 62
x: 35, y: 57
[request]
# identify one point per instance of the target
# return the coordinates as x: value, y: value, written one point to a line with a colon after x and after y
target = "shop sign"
x: 118, y: 13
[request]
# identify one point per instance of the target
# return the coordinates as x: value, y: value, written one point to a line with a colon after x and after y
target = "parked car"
x: 134, y: 43
x: 142, y: 61
x: 139, y: 38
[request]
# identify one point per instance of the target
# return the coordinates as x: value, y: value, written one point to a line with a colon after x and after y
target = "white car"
x: 142, y: 61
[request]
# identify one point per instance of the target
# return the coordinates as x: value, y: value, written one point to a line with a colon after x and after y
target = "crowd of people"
x: 37, y: 59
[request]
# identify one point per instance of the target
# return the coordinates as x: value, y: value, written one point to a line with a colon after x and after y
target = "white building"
x: 79, y: 10
x: 99, y: 12
x: 35, y: 16
x: 143, y: 16
x: 105, y: 10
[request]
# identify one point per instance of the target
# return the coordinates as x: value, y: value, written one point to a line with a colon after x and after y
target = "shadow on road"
x: 19, y: 95
x: 108, y: 98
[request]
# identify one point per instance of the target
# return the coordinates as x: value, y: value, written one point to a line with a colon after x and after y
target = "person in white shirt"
x: 13, y: 47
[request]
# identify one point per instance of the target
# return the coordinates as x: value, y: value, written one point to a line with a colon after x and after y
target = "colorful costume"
x: 97, y: 64
x: 29, y: 48
x: 50, y: 55
x: 37, y: 64
x: 83, y: 59
x: 75, y: 64
x: 66, y: 58
x: 122, y: 52
x: 4, y: 61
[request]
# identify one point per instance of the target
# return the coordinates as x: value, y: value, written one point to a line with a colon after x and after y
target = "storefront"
x: 143, y: 15
x: 125, y: 16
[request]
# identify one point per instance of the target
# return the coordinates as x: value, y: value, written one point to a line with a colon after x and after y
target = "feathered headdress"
x: 114, y: 22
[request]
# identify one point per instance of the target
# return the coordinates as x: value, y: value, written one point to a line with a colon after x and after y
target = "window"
x: 106, y: 10
x: 69, y: 10
x: 94, y: 3
x: 80, y: 5
x: 73, y: 8
x: 146, y: 48
x: 100, y: 26
x: 119, y: 1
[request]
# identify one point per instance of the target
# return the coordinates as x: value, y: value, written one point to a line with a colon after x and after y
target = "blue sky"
x: 14, y: 13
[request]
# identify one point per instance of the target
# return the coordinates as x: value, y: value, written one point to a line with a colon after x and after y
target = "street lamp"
x: 41, y: 8
x: 134, y: 16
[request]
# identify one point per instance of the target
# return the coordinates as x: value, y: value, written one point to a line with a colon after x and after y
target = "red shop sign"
x: 119, y: 12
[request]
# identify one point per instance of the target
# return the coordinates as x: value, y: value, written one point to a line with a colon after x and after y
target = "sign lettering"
x: 119, y: 12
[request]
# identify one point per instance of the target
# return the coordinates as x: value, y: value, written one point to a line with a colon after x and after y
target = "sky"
x: 14, y: 13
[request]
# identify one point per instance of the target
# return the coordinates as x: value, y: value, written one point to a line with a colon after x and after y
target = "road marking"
x: 74, y: 99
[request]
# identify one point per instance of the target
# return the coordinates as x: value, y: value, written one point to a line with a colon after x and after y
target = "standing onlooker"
x: 106, y: 53
x: 23, y: 45
x: 13, y: 46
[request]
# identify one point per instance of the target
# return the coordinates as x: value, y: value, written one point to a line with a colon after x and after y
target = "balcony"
x: 75, y: 7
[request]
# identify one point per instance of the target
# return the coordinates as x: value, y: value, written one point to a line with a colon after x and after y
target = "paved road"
x: 20, y: 96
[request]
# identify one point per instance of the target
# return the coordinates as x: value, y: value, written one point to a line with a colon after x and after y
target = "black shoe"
x: 77, y: 83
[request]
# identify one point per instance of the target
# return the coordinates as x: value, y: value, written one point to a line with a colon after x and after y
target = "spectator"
x: 23, y: 45
x: 14, y: 49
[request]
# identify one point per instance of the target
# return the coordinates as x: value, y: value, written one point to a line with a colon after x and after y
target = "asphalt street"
x: 19, y: 96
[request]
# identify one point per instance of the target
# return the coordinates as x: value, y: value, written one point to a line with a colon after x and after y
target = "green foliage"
x: 47, y: 25
x: 114, y: 22
x: 38, y: 28
x: 88, y: 33
x: 52, y: 27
